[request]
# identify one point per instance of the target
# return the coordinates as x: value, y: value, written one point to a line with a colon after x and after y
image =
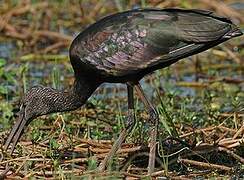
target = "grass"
x: 202, y: 96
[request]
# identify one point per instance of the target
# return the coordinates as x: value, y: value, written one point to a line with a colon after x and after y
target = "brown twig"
x: 223, y: 9
x: 237, y: 157
x: 239, y: 132
x: 205, y: 165
x: 55, y: 46
x: 232, y: 55
x: 53, y: 35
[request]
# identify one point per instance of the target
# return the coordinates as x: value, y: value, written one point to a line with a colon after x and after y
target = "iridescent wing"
x: 137, y: 40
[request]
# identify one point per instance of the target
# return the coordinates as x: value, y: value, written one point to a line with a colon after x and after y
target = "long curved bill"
x: 16, y: 131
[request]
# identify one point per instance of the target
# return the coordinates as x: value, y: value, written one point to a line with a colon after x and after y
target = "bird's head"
x: 41, y: 100
x: 36, y: 102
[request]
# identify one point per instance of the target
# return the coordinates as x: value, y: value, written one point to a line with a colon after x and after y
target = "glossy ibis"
x: 123, y: 48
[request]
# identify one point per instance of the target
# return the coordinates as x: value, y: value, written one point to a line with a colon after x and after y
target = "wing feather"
x: 144, y: 39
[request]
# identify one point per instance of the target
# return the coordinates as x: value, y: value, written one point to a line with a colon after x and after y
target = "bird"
x: 123, y: 48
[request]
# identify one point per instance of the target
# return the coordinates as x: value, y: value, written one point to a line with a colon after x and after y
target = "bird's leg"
x: 154, y: 119
x: 124, y: 133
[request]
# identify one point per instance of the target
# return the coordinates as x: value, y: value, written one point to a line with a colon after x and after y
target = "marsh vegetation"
x: 200, y: 99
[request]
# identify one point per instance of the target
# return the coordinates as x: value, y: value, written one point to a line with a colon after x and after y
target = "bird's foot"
x: 154, y: 119
x: 4, y: 173
x: 117, y: 144
x: 113, y: 150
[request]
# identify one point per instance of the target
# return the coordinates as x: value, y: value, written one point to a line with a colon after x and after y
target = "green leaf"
x: 92, y: 163
x: 54, y: 144
x: 3, y: 90
x: 2, y: 62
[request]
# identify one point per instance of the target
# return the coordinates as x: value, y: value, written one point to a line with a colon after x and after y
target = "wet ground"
x: 200, y: 97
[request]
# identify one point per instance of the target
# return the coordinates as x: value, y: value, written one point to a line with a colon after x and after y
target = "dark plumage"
x: 126, y: 46
x: 123, y: 48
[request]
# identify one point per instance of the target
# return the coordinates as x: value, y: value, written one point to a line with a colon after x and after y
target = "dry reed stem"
x: 223, y: 9
x: 205, y: 165
x: 227, y: 138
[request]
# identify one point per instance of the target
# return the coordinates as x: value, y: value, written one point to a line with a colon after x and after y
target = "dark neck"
x: 74, y: 98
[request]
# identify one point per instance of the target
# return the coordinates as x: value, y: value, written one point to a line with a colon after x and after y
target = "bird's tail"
x: 234, y: 32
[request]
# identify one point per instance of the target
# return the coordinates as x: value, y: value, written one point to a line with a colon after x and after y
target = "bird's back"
x: 126, y: 46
